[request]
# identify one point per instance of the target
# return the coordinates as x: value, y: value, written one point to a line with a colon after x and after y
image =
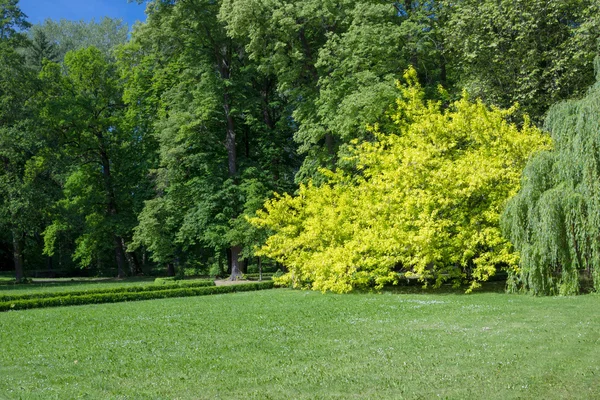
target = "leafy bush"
x: 424, y: 199
x: 169, y: 279
x: 98, y: 298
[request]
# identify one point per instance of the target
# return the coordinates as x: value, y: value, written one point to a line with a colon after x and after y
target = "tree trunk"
x: 233, y: 253
x: 329, y: 144
x: 134, y: 265
x: 259, y: 268
x: 236, y: 272
x: 443, y: 72
x: 225, y: 72
x: 119, y: 257
x: 111, y: 207
x: 228, y: 254
x: 170, y: 269
x: 18, y: 257
x: 49, y: 265
x: 230, y: 139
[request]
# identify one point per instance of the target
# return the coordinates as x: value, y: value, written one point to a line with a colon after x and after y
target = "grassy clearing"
x: 120, y: 295
x: 104, y: 290
x: 70, y: 284
x: 290, y: 344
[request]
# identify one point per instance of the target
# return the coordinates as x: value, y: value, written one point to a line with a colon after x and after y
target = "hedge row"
x: 122, y: 289
x: 98, y: 298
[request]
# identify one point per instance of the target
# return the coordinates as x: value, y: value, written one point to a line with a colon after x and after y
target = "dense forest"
x: 348, y: 143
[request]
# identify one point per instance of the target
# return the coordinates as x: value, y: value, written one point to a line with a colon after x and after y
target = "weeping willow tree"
x: 554, y: 220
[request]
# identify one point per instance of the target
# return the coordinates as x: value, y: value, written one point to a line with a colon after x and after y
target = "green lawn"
x: 278, y: 344
x: 70, y: 284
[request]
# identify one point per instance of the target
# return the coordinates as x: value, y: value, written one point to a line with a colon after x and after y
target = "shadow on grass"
x: 448, y: 289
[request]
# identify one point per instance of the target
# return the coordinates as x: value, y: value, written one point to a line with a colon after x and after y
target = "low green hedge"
x: 98, y: 298
x: 123, y: 289
x: 167, y: 280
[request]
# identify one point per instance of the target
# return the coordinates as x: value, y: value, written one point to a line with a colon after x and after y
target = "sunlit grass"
x: 70, y: 284
x: 292, y: 344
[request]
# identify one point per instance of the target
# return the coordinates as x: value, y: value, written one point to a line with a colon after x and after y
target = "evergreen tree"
x: 41, y: 49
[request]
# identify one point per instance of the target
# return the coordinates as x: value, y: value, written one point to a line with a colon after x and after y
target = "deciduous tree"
x: 425, y: 200
x: 554, y: 220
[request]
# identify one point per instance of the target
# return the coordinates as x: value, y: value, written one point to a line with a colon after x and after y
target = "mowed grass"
x: 68, y: 284
x: 280, y: 344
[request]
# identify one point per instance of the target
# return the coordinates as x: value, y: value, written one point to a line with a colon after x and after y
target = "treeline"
x: 124, y: 153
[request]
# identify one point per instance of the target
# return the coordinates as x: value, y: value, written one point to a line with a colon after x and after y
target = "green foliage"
x: 12, y: 22
x: 336, y: 62
x: 161, y: 145
x: 162, y: 281
x: 197, y: 90
x: 26, y: 190
x: 426, y: 199
x: 98, y: 157
x: 554, y: 221
x: 534, y: 52
x: 40, y: 49
x: 65, y: 35
x: 149, y: 293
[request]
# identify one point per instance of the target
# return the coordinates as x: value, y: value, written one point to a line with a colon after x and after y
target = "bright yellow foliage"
x: 424, y: 200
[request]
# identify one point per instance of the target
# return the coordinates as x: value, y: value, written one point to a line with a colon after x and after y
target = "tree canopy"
x: 554, y: 219
x: 425, y: 200
x: 221, y: 134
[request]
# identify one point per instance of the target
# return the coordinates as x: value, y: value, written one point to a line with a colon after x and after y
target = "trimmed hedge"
x: 166, y: 280
x: 99, y: 298
x: 123, y: 289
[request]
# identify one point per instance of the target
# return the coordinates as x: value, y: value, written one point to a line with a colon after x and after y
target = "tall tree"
x: 22, y: 189
x: 100, y: 157
x: 220, y: 127
x: 425, y: 202
x: 337, y: 61
x: 66, y: 35
x: 554, y: 220
x: 12, y: 21
x: 534, y: 52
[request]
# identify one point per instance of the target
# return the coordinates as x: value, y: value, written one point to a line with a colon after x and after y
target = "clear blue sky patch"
x: 39, y: 10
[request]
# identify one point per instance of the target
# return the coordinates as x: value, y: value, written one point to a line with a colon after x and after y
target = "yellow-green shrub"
x: 424, y: 199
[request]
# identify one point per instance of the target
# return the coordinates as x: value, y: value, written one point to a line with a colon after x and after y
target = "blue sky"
x: 39, y: 10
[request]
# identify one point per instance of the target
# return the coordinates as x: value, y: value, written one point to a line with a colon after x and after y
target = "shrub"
x: 424, y: 198
x: 162, y: 281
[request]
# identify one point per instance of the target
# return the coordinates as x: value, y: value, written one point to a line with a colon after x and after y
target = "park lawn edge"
x: 121, y: 289
x: 99, y: 298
